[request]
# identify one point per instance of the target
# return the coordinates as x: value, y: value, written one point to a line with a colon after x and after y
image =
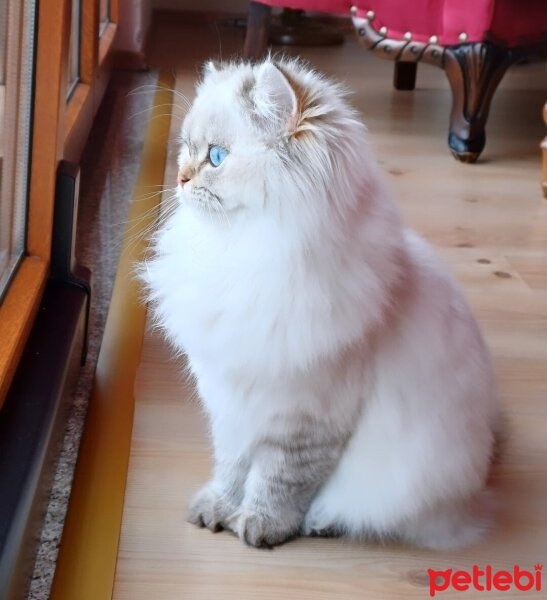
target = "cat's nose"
x: 185, y: 174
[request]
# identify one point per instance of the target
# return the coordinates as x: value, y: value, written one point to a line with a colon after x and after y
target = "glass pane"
x: 16, y: 73
x: 74, y: 50
x: 104, y: 16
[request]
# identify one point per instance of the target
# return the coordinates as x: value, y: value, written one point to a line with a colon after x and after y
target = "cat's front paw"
x: 262, y: 530
x: 209, y: 509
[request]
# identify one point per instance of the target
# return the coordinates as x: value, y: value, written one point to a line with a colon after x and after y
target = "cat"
x: 347, y: 386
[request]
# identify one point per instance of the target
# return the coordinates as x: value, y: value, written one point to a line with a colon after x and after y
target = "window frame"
x: 95, y: 68
x: 60, y: 129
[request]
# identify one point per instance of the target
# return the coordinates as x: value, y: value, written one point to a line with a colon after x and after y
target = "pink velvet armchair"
x: 474, y: 41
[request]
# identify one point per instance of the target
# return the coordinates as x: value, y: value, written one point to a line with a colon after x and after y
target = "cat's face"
x: 232, y: 134
x: 274, y: 138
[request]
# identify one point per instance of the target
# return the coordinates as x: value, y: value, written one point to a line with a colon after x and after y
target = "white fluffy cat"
x: 347, y: 385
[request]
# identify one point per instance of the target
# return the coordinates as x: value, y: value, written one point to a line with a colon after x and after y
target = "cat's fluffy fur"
x: 346, y: 382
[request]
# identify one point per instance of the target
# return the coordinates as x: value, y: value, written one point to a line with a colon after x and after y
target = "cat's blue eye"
x: 216, y: 155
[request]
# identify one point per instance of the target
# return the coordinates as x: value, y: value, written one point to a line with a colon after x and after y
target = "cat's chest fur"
x: 241, y: 298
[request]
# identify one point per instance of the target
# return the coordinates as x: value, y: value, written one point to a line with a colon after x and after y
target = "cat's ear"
x: 274, y: 96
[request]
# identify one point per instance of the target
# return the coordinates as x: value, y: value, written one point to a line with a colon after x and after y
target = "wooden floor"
x: 489, y: 222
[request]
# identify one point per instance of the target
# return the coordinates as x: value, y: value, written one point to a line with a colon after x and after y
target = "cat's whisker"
x: 148, y: 109
x: 158, y: 190
x: 170, y: 105
x: 208, y: 204
x: 146, y: 214
x: 146, y: 87
x: 157, y: 185
x: 224, y: 213
x: 150, y: 195
x: 165, y: 210
x: 147, y: 233
x: 149, y: 87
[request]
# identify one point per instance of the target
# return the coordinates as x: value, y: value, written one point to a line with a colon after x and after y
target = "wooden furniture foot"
x: 258, y: 26
x: 404, y: 75
x: 474, y: 72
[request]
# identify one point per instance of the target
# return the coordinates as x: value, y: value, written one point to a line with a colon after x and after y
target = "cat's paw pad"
x: 208, y: 509
x: 264, y: 531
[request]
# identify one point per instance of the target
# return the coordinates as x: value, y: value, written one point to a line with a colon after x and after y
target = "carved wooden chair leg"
x: 258, y: 24
x: 474, y: 72
x: 404, y: 75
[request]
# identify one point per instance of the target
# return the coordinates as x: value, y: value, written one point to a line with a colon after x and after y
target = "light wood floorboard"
x: 489, y: 222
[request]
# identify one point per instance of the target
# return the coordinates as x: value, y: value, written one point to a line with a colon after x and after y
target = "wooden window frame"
x: 60, y: 130
x: 95, y: 68
x: 21, y: 301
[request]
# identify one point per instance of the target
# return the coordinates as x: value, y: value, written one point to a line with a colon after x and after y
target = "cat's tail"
x: 450, y: 525
x: 456, y: 525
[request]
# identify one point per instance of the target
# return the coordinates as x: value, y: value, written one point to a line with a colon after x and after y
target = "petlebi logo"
x: 485, y: 579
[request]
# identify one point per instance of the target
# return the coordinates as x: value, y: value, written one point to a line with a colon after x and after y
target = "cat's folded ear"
x: 274, y: 98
